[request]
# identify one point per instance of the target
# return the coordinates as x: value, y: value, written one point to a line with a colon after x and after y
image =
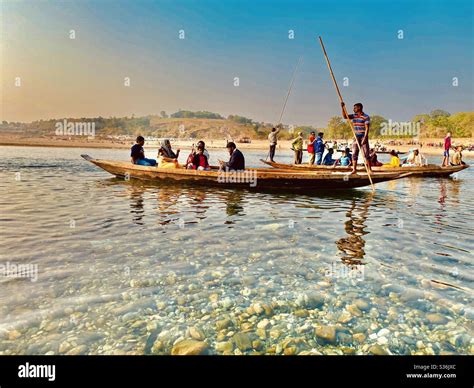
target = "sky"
x: 47, y: 75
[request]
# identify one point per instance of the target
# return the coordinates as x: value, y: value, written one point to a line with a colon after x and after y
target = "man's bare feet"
x: 353, y: 172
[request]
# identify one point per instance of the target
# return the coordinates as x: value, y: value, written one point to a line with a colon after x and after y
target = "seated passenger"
x: 457, y: 157
x: 345, y: 159
x: 200, y: 161
x: 414, y: 158
x: 394, y: 160
x: 166, y: 162
x: 167, y: 151
x: 328, y: 160
x: 373, y: 159
x: 236, y: 161
x: 138, y: 154
x: 194, y: 151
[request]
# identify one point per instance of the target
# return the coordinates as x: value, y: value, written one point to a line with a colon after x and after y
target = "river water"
x: 123, y: 267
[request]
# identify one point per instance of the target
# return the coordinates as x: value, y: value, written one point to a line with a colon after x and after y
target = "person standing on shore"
x: 361, y: 123
x: 310, y: 148
x: 297, y: 146
x: 447, y: 147
x: 273, y: 138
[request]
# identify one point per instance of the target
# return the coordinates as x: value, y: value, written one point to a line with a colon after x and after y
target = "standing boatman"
x: 273, y: 138
x: 361, y: 123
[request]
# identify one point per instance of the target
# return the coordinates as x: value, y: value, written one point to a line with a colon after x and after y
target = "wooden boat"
x: 430, y: 170
x: 253, y: 179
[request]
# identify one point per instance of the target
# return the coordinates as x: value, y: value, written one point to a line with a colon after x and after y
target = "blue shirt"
x: 318, y: 145
x: 137, y: 152
x: 328, y: 160
x: 345, y: 160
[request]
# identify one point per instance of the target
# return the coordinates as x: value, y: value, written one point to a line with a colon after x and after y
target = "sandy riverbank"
x: 16, y: 140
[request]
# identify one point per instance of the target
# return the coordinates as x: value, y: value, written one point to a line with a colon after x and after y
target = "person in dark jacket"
x: 319, y: 148
x: 236, y: 161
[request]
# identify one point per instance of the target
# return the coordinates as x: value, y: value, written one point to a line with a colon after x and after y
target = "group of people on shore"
x: 198, y: 159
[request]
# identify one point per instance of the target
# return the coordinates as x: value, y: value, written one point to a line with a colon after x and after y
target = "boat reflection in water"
x: 170, y: 198
x: 352, y: 247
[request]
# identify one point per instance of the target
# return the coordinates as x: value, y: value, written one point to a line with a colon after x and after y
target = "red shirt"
x: 311, y: 145
x: 447, y: 143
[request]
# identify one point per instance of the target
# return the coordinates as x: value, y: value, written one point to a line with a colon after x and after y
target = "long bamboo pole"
x: 289, y: 89
x: 345, y: 113
x: 288, y: 93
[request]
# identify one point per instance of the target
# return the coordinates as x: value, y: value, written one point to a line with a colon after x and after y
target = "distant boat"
x: 264, y: 178
x: 431, y: 170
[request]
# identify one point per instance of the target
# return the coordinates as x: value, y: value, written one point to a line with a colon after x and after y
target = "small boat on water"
x: 430, y: 170
x: 253, y: 179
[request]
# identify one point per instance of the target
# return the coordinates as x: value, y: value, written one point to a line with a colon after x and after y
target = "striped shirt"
x: 359, y: 120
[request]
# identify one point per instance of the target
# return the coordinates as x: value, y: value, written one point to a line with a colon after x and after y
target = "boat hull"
x: 258, y: 179
x: 430, y: 170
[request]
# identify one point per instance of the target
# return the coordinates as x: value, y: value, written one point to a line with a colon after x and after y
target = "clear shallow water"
x: 133, y: 268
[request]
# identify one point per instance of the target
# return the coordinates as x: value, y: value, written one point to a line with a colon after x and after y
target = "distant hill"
x: 182, y: 124
x: 209, y: 125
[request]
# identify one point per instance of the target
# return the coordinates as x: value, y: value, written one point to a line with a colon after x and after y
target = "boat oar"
x: 288, y: 94
x: 345, y: 112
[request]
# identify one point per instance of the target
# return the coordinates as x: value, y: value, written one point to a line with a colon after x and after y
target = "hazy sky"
x: 224, y: 39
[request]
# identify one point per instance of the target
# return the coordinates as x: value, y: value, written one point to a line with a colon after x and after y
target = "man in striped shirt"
x: 361, y: 123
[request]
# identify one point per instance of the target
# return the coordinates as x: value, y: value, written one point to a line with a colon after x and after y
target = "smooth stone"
x: 290, y: 351
x: 13, y: 335
x: 377, y: 350
x: 64, y: 347
x: 361, y: 328
x: 196, y: 333
x: 189, y: 348
x: 263, y: 324
x: 344, y: 338
x: 82, y: 349
x: 247, y: 326
x: 362, y: 305
x: 463, y: 340
x: 345, y: 317
x: 313, y: 300
x: 242, y: 341
x: 359, y: 337
x: 268, y: 309
x: 262, y: 334
x: 223, y: 324
x: 258, y: 308
x: 382, y: 340
x: 275, y: 333
x: 354, y: 310
x: 469, y: 313
x: 157, y: 347
x: 326, y: 333
x: 436, y: 319
x: 226, y: 346
x: 301, y: 313
x: 383, y: 332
